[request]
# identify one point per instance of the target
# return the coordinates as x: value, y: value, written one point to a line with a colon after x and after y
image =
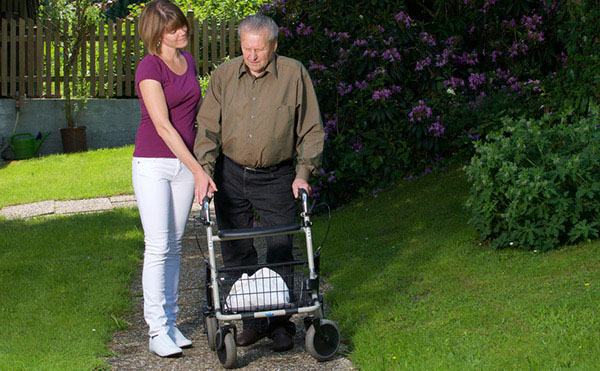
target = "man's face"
x: 257, y: 50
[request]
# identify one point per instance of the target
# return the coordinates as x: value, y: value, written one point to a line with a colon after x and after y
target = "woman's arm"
x: 156, y: 104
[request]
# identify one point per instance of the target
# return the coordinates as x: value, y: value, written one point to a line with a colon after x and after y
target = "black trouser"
x: 268, y: 192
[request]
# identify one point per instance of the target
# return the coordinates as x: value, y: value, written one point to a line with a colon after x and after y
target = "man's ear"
x: 275, y: 46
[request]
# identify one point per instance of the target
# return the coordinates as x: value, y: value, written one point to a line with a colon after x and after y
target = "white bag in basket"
x: 264, y: 290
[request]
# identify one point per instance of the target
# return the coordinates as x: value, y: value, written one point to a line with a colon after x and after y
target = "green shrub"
x: 536, y: 183
x: 402, y: 84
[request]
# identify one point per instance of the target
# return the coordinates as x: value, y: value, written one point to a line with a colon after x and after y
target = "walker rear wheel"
x: 322, y: 339
x: 210, y: 324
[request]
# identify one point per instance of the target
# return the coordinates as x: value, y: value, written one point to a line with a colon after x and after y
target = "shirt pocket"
x: 283, y: 122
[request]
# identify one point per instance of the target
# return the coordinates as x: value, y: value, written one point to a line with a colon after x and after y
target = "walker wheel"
x: 210, y: 325
x: 322, y: 339
x: 227, y: 353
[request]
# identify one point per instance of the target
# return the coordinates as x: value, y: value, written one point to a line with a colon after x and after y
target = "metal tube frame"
x: 211, y: 238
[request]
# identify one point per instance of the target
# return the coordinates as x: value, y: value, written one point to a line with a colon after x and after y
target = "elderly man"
x: 261, y: 136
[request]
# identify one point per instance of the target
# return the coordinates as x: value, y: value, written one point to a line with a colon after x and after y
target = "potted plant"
x: 80, y: 15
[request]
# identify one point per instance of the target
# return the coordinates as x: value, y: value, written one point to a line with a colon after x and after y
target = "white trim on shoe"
x: 178, y: 337
x: 163, y: 346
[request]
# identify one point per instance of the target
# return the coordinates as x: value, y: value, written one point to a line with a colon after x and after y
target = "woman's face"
x: 175, y: 39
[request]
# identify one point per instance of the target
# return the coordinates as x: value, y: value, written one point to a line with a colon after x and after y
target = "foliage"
x: 577, y: 86
x: 536, y: 183
x: 80, y: 14
x: 210, y: 9
x: 402, y: 84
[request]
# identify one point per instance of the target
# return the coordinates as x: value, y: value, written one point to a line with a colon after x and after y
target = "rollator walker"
x: 273, y: 289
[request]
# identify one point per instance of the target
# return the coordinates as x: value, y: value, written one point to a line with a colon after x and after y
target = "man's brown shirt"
x: 261, y: 121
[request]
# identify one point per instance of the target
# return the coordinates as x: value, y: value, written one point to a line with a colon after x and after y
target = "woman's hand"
x: 204, y: 186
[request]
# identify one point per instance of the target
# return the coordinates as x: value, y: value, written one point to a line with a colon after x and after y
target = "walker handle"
x: 206, y: 209
x: 303, y: 195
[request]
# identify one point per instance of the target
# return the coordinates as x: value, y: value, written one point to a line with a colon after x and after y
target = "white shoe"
x: 163, y: 345
x: 178, y: 337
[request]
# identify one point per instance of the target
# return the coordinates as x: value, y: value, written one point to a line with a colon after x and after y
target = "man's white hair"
x: 259, y: 22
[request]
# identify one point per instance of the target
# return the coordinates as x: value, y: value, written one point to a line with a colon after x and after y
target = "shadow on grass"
x: 63, y: 280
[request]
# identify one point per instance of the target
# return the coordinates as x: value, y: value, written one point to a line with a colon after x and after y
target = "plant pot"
x: 74, y: 139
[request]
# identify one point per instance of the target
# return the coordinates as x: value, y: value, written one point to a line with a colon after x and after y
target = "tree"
x: 79, y: 14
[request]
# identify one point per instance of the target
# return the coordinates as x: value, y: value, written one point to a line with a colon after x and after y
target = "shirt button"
x: 249, y: 135
x: 253, y: 98
x: 252, y: 117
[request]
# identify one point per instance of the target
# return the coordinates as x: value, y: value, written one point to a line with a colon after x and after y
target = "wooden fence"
x: 32, y: 57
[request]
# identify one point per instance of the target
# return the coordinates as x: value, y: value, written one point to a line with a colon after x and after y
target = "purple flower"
x: 344, y: 89
x: 422, y: 64
x: 495, y: 54
x: 419, y: 112
x: 286, y: 31
x: 302, y: 29
x: 514, y: 84
x: 437, y: 129
x: 427, y: 38
x: 378, y: 71
x: 369, y: 53
x: 403, y: 17
x: 396, y: 88
x: 361, y: 85
x: 468, y: 58
x: 357, y: 145
x: 476, y: 79
x: 382, y: 95
x: 389, y: 41
x: 392, y: 55
x: 360, y: 42
x: 331, y: 177
x: 454, y: 82
x: 314, y: 66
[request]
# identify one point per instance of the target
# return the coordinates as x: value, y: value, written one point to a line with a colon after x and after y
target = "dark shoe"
x: 250, y: 336
x: 282, y: 340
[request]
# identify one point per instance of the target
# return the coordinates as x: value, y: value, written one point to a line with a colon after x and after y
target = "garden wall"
x: 109, y: 122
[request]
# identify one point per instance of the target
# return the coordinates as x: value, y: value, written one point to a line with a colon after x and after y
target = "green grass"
x: 64, y: 282
x: 414, y: 289
x: 104, y: 172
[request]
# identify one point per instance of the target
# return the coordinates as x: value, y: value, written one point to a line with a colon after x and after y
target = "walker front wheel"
x: 226, y: 348
x: 322, y: 339
x: 210, y: 324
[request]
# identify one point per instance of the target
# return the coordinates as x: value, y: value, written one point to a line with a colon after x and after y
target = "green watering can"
x: 24, y: 145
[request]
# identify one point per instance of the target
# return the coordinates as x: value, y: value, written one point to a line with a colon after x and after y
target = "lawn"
x: 412, y: 285
x: 414, y: 288
x: 103, y: 172
x: 64, y: 287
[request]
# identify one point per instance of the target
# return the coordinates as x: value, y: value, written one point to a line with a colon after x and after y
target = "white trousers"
x: 164, y: 190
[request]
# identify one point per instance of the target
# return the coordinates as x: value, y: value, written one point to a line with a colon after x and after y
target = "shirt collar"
x: 271, y: 67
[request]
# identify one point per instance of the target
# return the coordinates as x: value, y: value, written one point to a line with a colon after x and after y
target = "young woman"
x: 166, y: 176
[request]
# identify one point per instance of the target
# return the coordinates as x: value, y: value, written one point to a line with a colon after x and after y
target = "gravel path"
x: 131, y: 346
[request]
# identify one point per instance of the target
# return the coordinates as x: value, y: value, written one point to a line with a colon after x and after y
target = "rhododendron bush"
x: 404, y: 84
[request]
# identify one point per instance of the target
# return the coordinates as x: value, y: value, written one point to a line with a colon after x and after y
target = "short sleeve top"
x: 182, y: 93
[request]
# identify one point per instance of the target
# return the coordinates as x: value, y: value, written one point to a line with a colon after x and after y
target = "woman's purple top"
x: 182, y: 93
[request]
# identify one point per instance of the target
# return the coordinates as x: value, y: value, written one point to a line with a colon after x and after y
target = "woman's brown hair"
x: 157, y: 17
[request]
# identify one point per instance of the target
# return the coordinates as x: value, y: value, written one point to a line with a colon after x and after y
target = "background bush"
x: 536, y: 183
x: 403, y: 84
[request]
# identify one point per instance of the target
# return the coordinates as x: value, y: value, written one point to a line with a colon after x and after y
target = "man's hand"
x: 300, y: 183
x: 203, y: 186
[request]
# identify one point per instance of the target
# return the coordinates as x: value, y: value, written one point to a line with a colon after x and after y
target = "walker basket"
x: 264, y: 287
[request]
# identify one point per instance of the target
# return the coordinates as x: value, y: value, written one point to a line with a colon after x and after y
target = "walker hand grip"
x: 301, y: 193
x: 206, y: 209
